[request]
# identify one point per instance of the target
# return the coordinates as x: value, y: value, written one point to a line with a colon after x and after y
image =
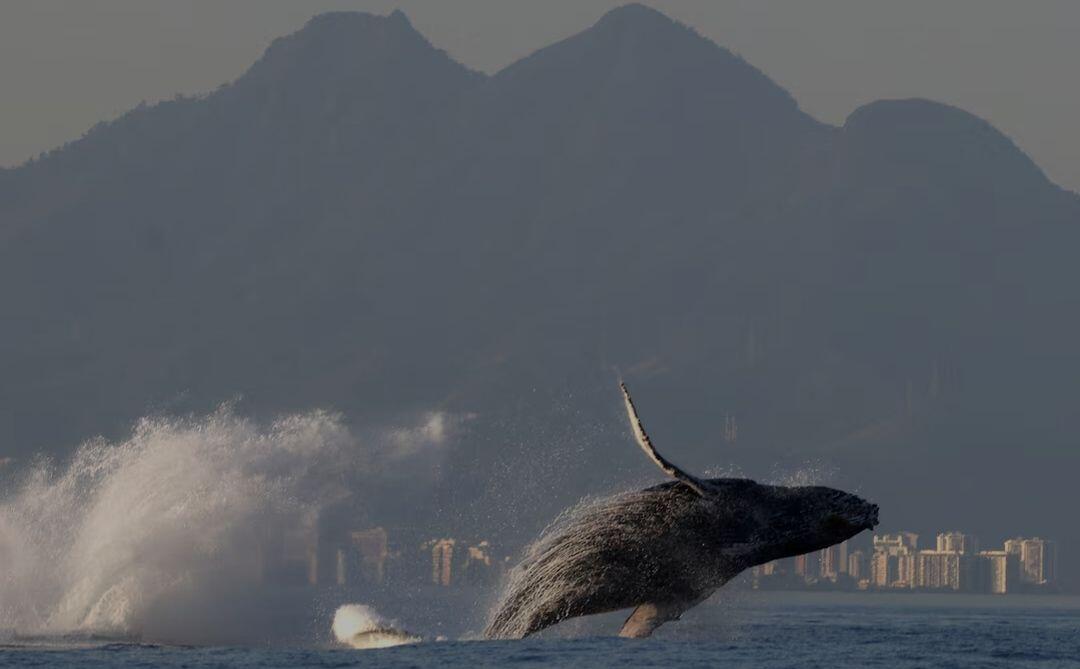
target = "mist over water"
x: 131, y: 537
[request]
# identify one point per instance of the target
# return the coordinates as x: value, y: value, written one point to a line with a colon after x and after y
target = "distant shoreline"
x: 882, y: 598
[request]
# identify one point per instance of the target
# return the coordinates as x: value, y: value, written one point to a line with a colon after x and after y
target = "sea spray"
x: 180, y: 511
x: 811, y: 472
x: 551, y: 571
x: 360, y: 626
x: 352, y: 619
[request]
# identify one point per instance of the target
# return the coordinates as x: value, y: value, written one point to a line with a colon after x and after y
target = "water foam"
x: 360, y: 626
x: 178, y: 511
x: 353, y: 619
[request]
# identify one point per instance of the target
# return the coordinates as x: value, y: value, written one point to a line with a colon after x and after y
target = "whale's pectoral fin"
x: 691, y: 481
x: 647, y: 617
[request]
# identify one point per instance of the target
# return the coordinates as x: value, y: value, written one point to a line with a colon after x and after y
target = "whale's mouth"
x: 863, y: 519
x: 871, y: 518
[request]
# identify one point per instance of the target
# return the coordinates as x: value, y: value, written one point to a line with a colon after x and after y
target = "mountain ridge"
x: 635, y: 15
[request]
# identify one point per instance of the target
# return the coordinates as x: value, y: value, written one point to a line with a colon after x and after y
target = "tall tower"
x: 894, y: 564
x: 1038, y: 559
x: 442, y: 561
x: 857, y: 565
x: 957, y: 542
x: 834, y: 561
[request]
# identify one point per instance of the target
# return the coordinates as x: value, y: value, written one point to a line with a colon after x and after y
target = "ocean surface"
x: 748, y: 629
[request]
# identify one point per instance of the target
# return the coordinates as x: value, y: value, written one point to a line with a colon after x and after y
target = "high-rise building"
x: 857, y: 566
x: 949, y: 567
x: 479, y: 567
x: 883, y: 569
x: 935, y: 569
x: 894, y: 564
x: 1048, y: 573
x: 945, y: 570
x: 907, y: 570
x: 1038, y: 559
x: 833, y: 561
x: 341, y: 571
x: 895, y: 542
x: 370, y: 548
x: 998, y: 572
x: 807, y: 566
x: 442, y: 561
x: 957, y: 542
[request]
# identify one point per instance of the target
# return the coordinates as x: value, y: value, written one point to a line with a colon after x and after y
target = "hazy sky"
x: 66, y: 64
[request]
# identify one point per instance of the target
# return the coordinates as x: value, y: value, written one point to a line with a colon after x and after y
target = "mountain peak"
x: 337, y: 47
x: 652, y: 59
x: 634, y: 13
x: 911, y: 112
x: 638, y: 22
x: 353, y: 31
x: 357, y: 21
x: 934, y: 135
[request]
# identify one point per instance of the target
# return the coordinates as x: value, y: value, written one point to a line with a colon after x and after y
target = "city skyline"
x: 897, y: 563
x: 956, y: 561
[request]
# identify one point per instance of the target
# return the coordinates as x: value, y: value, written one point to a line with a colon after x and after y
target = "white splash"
x: 360, y: 626
x: 430, y: 434
x: 810, y: 473
x: 181, y: 509
x: 427, y: 437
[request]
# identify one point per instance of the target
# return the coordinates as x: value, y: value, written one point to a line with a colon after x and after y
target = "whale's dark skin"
x: 664, y: 549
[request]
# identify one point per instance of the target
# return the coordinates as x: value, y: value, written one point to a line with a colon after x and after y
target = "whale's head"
x: 782, y: 521
x: 803, y: 519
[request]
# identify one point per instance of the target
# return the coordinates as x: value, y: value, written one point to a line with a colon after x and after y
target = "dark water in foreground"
x: 754, y: 630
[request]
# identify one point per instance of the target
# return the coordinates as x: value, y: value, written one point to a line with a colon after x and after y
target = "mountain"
x: 359, y: 222
x: 196, y: 221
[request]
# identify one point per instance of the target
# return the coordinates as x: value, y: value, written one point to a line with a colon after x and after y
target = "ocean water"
x: 741, y: 630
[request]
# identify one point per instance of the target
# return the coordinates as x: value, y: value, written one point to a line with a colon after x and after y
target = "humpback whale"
x: 664, y: 549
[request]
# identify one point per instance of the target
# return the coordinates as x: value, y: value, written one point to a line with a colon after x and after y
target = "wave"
x: 178, y: 516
